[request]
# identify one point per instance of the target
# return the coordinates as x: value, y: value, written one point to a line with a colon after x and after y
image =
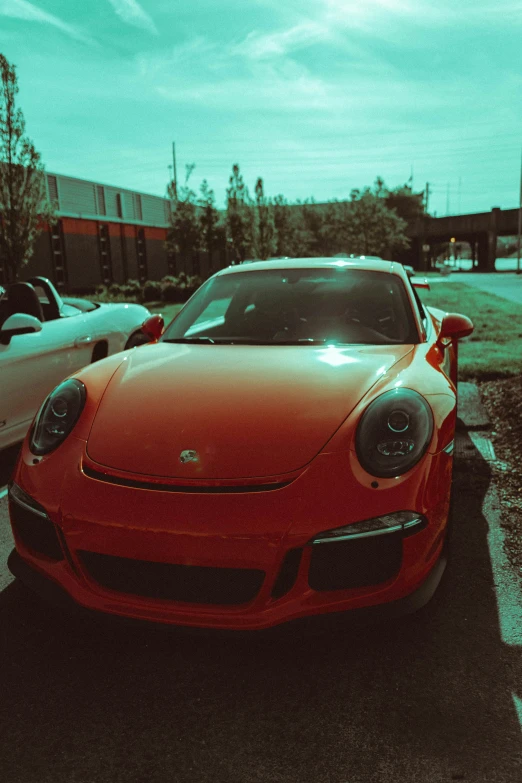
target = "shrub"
x: 179, y: 289
x: 172, y: 289
x: 131, y: 290
x: 152, y: 291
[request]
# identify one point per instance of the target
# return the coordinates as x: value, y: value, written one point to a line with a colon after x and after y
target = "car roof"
x: 318, y: 263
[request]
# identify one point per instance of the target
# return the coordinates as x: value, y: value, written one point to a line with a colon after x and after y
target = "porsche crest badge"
x: 189, y: 455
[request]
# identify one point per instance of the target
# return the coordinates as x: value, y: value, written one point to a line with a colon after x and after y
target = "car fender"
x: 116, y: 322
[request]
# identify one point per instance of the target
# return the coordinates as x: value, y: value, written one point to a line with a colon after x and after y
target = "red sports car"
x: 283, y: 449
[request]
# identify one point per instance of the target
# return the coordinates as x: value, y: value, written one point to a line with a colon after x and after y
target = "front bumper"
x: 105, y: 529
x: 55, y: 595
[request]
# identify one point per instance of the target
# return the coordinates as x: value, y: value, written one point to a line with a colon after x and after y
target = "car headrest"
x: 23, y: 299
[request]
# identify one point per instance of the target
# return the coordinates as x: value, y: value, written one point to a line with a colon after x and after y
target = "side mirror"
x: 153, y: 327
x: 454, y: 326
x: 420, y: 282
x: 19, y: 323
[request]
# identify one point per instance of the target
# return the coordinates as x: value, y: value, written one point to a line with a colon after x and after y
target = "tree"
x: 24, y: 205
x: 239, y: 216
x: 309, y: 229
x: 285, y: 225
x: 184, y: 232
x: 265, y: 243
x: 208, y: 219
x: 332, y: 230
x: 408, y: 205
x: 371, y: 228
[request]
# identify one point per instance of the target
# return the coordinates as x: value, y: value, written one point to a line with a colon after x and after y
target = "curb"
x: 471, y: 414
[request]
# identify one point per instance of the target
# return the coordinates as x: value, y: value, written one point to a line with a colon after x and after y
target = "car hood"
x: 247, y: 411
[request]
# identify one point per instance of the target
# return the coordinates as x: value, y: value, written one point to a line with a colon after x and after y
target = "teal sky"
x: 315, y: 96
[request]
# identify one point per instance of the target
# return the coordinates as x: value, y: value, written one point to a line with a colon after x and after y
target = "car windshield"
x: 298, y: 307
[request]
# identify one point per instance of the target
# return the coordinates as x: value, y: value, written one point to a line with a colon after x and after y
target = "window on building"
x: 105, y: 253
x: 141, y: 252
x: 52, y: 183
x: 138, y: 207
x: 119, y: 205
x: 58, y: 255
x: 100, y: 193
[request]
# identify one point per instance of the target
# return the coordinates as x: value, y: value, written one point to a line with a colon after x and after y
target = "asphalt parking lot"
x: 433, y: 697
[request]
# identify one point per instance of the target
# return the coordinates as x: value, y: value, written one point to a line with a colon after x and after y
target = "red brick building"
x: 104, y: 234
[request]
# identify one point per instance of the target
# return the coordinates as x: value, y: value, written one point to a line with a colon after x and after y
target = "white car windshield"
x: 298, y: 306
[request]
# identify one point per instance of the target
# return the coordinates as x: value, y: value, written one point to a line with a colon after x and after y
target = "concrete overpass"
x: 480, y: 230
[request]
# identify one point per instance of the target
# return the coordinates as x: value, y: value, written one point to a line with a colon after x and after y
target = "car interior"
x: 363, y: 309
x: 21, y: 298
x: 39, y: 298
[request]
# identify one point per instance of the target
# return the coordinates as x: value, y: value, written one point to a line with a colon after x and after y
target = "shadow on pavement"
x: 427, y: 698
x: 7, y: 463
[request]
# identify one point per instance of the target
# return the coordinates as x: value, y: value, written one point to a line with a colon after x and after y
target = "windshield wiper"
x: 208, y: 340
x: 301, y: 341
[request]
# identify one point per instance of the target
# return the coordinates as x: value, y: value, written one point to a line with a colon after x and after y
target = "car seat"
x: 22, y: 298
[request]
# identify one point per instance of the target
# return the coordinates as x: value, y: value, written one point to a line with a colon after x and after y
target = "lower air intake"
x: 37, y: 533
x: 190, y: 584
x: 344, y: 565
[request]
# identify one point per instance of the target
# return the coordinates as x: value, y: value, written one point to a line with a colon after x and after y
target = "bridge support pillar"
x: 487, y: 252
x: 486, y: 246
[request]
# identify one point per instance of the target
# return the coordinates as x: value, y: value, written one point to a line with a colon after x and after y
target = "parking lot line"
x: 507, y: 589
x: 3, y: 493
x: 518, y: 706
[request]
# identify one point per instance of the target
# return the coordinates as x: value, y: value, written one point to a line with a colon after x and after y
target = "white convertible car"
x: 44, y: 338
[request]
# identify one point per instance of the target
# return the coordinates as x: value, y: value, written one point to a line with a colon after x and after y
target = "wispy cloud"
x: 202, y: 72
x: 268, y: 80
x: 281, y: 42
x: 22, y: 9
x: 376, y: 15
x: 132, y: 13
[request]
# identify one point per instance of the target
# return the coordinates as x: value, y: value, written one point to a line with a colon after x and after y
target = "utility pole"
x: 427, y: 197
x: 174, y: 174
x: 519, y: 220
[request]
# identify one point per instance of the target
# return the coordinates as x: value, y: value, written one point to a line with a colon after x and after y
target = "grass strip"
x: 494, y: 350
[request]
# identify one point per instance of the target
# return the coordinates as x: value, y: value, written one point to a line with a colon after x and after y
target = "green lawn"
x: 494, y: 350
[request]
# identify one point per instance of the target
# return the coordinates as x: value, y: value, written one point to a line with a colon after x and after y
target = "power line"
x: 299, y: 163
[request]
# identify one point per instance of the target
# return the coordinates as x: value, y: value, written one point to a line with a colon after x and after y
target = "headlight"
x: 394, y: 433
x: 57, y: 416
x: 405, y: 522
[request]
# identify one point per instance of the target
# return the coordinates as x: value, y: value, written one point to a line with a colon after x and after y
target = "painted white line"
x: 3, y: 493
x: 518, y: 706
x: 507, y: 588
x: 483, y: 445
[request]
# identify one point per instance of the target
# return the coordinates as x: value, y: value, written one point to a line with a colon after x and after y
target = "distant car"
x: 283, y: 449
x: 366, y: 258
x: 44, y: 338
x: 410, y: 271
